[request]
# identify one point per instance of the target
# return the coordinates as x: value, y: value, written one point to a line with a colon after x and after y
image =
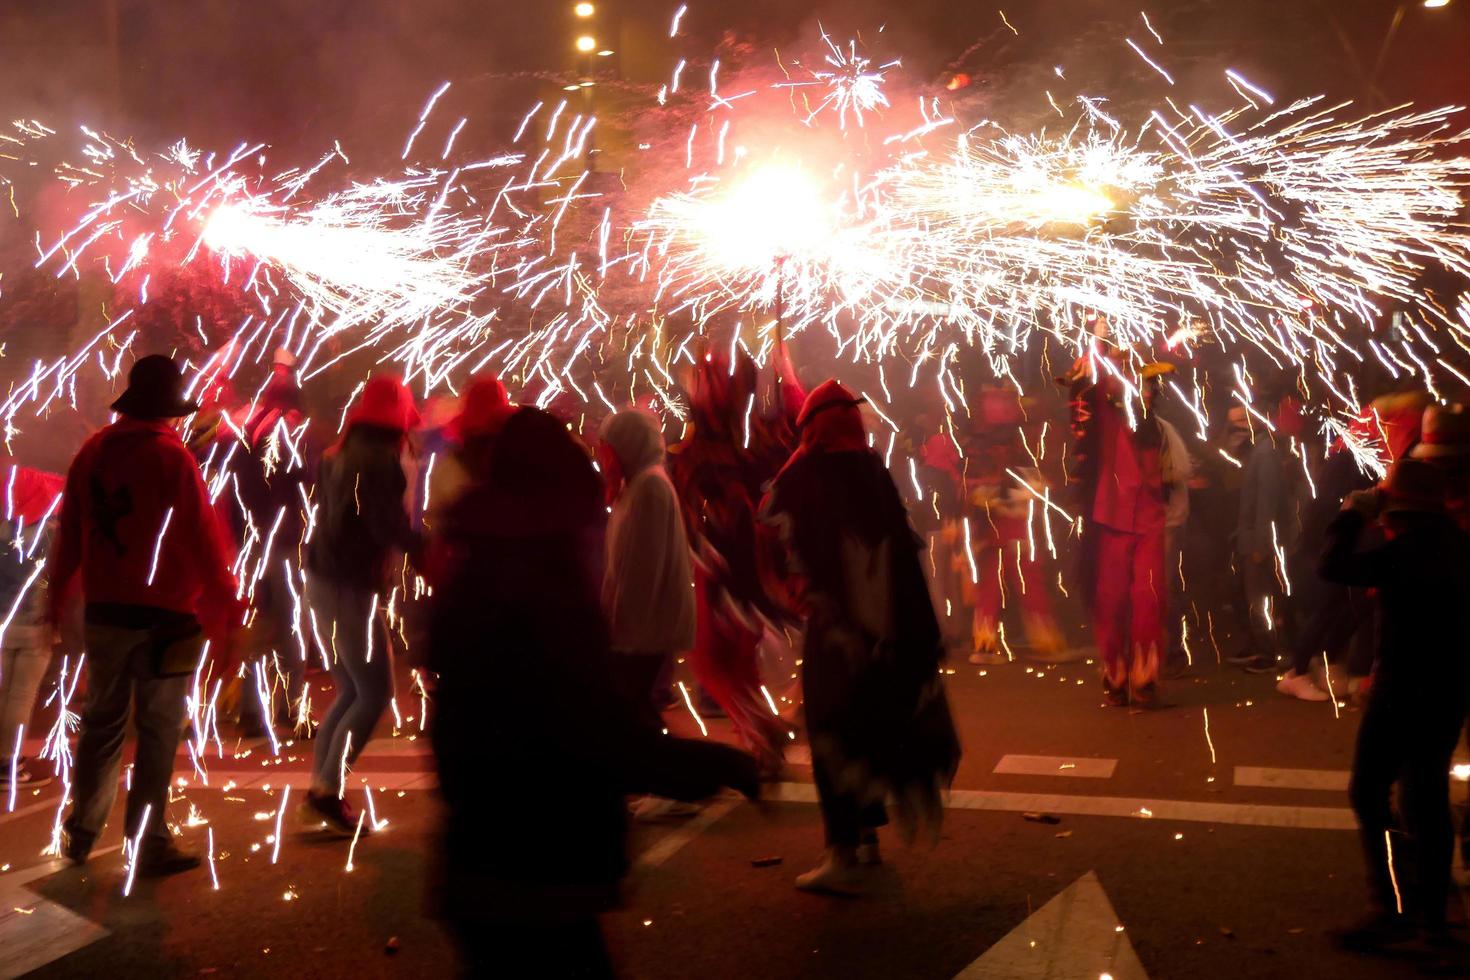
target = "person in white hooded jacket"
x: 648, y: 582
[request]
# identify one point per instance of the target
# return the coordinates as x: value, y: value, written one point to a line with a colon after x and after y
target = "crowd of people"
x: 586, y: 570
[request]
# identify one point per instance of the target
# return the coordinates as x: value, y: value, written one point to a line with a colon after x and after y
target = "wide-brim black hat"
x: 155, y: 391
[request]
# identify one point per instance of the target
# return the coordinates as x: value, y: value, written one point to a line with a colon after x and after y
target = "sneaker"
x: 1260, y: 664
x: 24, y: 778
x: 162, y: 860
x: 1301, y: 687
x: 867, y: 849
x: 1379, y: 930
x: 326, y: 812
x: 836, y: 875
x: 988, y: 659
x: 1114, y: 697
x: 1240, y: 659
x: 652, y: 809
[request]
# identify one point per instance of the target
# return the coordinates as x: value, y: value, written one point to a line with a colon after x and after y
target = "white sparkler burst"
x: 852, y: 84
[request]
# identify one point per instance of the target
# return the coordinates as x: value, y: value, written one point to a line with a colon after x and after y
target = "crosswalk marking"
x: 1333, y: 780
x: 1074, y: 766
x: 1075, y: 936
x: 1242, y: 814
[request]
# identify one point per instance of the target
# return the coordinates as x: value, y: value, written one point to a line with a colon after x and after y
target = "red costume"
x: 1001, y: 544
x: 1121, y: 470
x: 735, y: 448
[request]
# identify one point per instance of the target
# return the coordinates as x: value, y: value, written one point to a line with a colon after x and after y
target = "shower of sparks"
x: 851, y: 83
x: 1281, y: 235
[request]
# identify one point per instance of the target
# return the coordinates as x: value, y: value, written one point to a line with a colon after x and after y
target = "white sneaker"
x: 1301, y: 687
x: 651, y: 809
x: 834, y: 876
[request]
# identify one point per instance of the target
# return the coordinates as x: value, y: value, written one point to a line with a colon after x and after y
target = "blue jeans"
x: 362, y: 672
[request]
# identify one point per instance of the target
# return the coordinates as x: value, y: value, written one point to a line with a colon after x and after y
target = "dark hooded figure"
x: 876, y: 711
x: 528, y: 704
x: 1417, y: 704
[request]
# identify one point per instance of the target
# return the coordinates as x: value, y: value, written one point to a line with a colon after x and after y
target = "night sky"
x: 293, y: 72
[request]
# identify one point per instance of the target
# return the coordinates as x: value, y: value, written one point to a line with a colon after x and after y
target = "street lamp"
x: 1431, y: 4
x: 586, y: 43
x: 585, y: 10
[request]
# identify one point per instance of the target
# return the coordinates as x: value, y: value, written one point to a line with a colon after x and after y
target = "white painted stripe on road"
x: 1075, y: 935
x: 1056, y: 765
x: 300, y: 779
x: 1242, y: 814
x: 35, y: 931
x: 671, y: 843
x: 1333, y: 780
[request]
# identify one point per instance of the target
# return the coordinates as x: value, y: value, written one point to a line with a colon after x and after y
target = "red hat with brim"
x: 1444, y: 432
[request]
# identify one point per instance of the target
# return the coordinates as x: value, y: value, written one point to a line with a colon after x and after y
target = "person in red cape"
x: 875, y: 707
x: 138, y: 528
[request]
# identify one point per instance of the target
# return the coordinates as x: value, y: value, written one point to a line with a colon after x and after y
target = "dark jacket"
x: 361, y: 516
x: 1422, y: 576
x: 527, y: 705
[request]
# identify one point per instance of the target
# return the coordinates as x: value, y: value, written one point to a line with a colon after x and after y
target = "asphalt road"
x: 1188, y: 838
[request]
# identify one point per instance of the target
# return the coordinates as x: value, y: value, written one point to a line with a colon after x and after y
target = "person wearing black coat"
x: 1417, y: 704
x: 876, y: 711
x: 528, y: 710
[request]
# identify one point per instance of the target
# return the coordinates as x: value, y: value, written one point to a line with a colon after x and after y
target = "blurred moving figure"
x: 468, y: 439
x: 362, y: 522
x: 876, y: 711
x: 1416, y: 707
x: 25, y: 644
x: 1266, y: 529
x: 1004, y: 550
x: 528, y: 705
x: 648, y: 583
x: 272, y: 476
x: 720, y: 469
x: 137, y: 523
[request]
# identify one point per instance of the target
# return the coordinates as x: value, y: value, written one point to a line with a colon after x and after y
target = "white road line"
x: 1077, y: 767
x: 1242, y: 814
x: 671, y: 843
x: 1075, y: 935
x: 1334, y: 780
x: 35, y: 931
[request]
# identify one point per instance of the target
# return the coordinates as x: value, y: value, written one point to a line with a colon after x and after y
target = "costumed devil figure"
x: 734, y: 448
x: 1123, y: 471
